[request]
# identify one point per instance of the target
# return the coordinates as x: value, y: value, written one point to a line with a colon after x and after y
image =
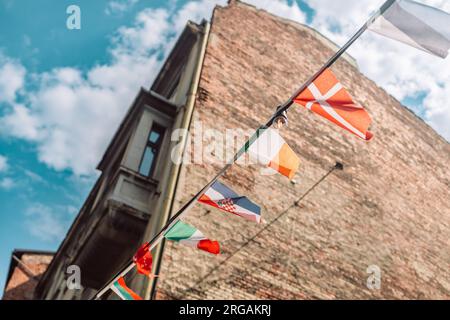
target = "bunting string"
x: 281, y: 110
x: 322, y: 94
x: 337, y: 166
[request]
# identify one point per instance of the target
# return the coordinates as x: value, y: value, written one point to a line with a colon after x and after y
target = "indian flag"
x: 271, y: 150
x: 120, y: 288
x: 188, y: 235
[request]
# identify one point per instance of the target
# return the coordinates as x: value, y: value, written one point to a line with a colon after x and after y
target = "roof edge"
x: 324, y: 39
x: 18, y: 253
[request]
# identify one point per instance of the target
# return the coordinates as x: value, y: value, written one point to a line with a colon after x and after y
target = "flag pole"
x: 279, y: 112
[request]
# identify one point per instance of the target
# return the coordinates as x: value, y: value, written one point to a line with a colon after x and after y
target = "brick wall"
x: 23, y: 281
x: 390, y: 206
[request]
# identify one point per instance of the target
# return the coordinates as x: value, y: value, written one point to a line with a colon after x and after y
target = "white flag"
x: 416, y: 24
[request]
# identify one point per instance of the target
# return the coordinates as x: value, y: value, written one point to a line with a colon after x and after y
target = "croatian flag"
x: 223, y: 198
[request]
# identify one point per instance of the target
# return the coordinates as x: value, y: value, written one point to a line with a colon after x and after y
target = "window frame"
x: 152, y: 145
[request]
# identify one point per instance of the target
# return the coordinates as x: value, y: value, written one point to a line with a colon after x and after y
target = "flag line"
x: 280, y: 110
x: 337, y: 166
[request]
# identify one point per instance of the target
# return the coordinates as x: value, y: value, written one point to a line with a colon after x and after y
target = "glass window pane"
x: 147, y: 161
x: 154, y: 136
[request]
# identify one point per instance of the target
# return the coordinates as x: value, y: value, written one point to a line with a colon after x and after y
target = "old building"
x: 25, y: 270
x: 389, y: 209
x: 137, y: 178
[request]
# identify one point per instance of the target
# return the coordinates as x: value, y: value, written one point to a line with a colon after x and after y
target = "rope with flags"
x: 322, y: 94
x: 337, y: 166
x: 280, y: 110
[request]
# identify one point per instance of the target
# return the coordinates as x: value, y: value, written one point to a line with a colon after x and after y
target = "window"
x: 151, y: 150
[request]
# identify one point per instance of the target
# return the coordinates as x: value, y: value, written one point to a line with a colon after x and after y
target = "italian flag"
x: 188, y: 235
x: 120, y: 288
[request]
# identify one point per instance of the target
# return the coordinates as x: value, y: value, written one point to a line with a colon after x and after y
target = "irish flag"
x: 271, y: 150
x: 188, y: 235
x: 120, y: 288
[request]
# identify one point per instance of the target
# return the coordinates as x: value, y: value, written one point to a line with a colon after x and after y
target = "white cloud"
x: 72, y: 114
x: 402, y: 70
x: 12, y: 75
x: 34, y: 177
x: 46, y: 223
x: 148, y: 35
x: 195, y: 11
x: 281, y: 8
x: 20, y: 123
x: 442, y: 4
x: 7, y: 183
x: 3, y: 163
x: 437, y: 108
x: 119, y: 6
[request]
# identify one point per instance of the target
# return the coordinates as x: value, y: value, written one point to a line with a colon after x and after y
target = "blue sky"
x: 39, y: 39
x: 57, y: 85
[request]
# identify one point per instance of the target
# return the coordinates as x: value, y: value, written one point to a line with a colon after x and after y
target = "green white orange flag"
x: 120, y: 288
x: 328, y: 98
x: 271, y: 150
x: 188, y: 235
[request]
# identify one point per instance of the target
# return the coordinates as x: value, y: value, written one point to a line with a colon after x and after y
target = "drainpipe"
x: 166, y: 210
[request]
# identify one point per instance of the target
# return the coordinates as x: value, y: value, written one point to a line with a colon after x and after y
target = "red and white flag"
x: 327, y: 97
x: 225, y: 199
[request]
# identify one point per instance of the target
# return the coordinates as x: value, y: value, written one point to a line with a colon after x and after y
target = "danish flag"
x: 327, y: 97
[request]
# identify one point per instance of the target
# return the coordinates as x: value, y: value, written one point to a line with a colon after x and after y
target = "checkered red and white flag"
x: 327, y: 97
x: 225, y: 199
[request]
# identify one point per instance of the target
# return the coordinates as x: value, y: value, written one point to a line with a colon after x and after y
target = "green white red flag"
x: 188, y: 235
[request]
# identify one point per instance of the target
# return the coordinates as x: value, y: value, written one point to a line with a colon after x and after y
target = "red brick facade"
x: 24, y: 276
x: 389, y: 207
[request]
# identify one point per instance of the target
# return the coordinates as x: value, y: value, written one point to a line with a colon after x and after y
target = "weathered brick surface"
x: 390, y: 206
x: 21, y: 286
